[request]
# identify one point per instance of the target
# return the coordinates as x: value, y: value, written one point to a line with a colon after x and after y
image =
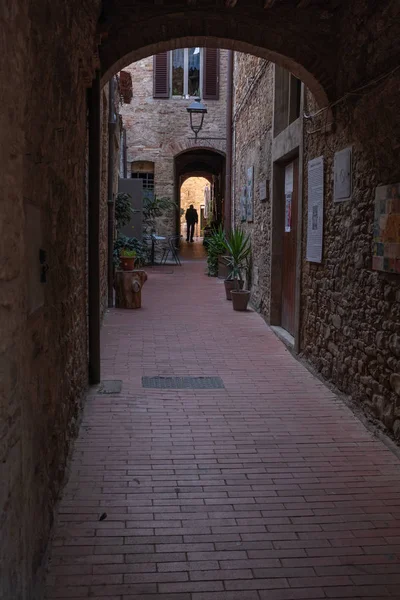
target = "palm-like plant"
x: 238, y: 246
x: 216, y: 246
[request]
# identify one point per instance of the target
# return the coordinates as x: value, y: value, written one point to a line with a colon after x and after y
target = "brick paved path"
x: 269, y: 489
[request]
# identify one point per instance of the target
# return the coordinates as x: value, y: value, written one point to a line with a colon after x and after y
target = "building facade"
x: 320, y: 206
x: 267, y: 134
x: 161, y: 147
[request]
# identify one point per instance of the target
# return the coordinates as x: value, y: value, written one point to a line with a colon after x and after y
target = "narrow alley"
x: 267, y: 488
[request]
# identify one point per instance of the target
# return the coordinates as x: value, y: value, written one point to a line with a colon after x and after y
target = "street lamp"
x: 196, y: 110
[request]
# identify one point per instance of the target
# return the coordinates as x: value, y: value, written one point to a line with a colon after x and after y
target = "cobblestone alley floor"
x: 268, y: 489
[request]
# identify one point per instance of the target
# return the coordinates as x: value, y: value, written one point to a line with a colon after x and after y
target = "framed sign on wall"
x: 386, y: 247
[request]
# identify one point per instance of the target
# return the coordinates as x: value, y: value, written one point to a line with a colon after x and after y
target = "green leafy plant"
x: 124, y: 243
x: 126, y: 253
x: 123, y: 210
x: 154, y: 207
x: 238, y: 247
x: 216, y: 246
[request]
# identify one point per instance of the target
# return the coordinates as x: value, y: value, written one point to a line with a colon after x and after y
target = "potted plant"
x: 216, y: 246
x: 127, y: 259
x: 238, y: 247
x: 142, y: 251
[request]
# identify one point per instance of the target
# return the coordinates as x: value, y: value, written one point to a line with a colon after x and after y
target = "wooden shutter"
x: 211, y: 74
x: 161, y: 75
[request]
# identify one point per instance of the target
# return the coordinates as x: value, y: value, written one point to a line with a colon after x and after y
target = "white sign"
x: 288, y: 212
x: 342, y: 176
x: 289, y: 178
x: 315, y: 209
x: 263, y: 190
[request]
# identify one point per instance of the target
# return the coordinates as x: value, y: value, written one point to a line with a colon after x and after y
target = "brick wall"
x: 158, y: 130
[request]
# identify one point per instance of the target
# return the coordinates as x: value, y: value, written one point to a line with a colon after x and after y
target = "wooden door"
x: 290, y: 200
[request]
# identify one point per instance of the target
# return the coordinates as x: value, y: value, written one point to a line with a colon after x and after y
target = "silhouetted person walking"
x: 191, y: 219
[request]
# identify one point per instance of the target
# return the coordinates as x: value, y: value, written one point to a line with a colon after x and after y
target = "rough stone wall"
x: 351, y: 314
x: 159, y: 129
x: 253, y: 111
x: 47, y: 51
x: 192, y: 192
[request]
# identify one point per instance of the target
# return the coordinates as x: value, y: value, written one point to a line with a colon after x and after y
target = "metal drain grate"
x: 183, y: 383
x: 110, y: 387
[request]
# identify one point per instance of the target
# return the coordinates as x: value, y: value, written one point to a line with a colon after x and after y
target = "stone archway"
x: 299, y: 40
x: 208, y: 163
x: 51, y: 51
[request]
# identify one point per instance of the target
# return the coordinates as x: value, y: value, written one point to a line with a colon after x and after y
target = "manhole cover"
x: 110, y: 387
x: 183, y: 383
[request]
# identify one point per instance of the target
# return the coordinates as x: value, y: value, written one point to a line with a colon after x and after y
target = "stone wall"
x: 159, y: 129
x: 253, y: 118
x: 47, y: 53
x: 350, y: 313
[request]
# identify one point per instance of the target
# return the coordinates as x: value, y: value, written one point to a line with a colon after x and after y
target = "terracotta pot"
x: 240, y: 299
x: 230, y: 284
x: 223, y: 271
x: 127, y: 263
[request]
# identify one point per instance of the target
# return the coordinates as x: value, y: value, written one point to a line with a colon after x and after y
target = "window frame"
x: 146, y: 177
x: 186, y: 95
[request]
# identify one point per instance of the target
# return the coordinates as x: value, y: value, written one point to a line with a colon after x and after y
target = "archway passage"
x: 278, y: 30
x: 195, y: 192
x: 208, y: 168
x: 51, y: 53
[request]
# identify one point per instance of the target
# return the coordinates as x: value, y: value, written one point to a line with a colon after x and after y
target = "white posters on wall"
x: 315, y: 209
x: 342, y: 175
x: 289, y: 174
x: 288, y: 212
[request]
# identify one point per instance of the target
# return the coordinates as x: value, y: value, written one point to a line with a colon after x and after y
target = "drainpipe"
x: 94, y: 229
x: 125, y: 157
x: 110, y: 193
x: 229, y: 125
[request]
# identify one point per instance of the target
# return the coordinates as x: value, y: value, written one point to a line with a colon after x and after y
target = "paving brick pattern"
x: 268, y: 489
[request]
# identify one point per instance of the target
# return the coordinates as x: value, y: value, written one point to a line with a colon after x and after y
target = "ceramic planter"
x: 240, y: 299
x: 231, y: 284
x: 127, y: 263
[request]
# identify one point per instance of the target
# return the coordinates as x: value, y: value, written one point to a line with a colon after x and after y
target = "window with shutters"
x: 186, y: 73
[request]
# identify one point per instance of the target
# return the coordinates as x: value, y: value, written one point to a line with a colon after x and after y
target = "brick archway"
x: 299, y: 40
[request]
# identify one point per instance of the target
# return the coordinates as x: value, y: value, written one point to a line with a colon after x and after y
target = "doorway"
x: 194, y: 191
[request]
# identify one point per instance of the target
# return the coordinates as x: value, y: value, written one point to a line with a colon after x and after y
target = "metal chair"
x: 172, y: 248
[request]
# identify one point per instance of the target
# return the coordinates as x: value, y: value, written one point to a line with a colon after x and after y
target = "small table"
x: 155, y: 238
